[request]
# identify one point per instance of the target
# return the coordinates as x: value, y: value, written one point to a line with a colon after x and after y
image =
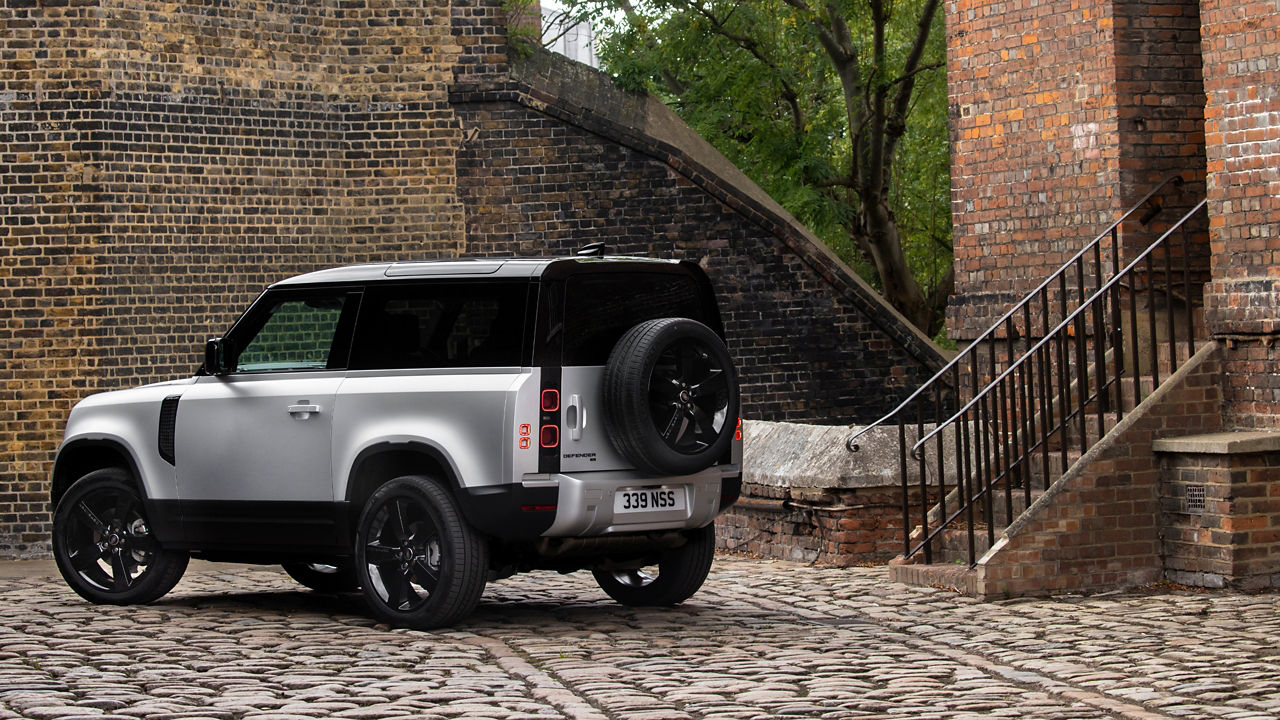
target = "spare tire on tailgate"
x: 670, y: 396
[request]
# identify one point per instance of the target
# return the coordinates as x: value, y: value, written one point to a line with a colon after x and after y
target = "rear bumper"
x: 585, y: 501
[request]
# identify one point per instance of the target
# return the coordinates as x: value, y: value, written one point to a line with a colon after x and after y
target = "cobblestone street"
x: 762, y: 639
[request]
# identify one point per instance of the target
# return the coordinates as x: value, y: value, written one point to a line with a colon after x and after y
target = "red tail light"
x: 549, y: 436
x: 737, y: 434
x: 550, y: 400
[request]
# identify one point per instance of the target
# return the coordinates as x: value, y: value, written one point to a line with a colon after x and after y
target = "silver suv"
x: 415, y: 429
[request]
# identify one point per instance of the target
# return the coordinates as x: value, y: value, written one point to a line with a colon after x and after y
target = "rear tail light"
x: 550, y: 400
x: 549, y: 436
x: 549, y: 421
x: 737, y: 434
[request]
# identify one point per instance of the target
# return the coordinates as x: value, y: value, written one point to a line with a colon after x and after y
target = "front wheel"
x: 103, y: 544
x: 418, y: 562
x: 677, y: 576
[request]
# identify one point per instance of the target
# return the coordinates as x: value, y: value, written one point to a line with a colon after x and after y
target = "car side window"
x: 294, y: 333
x: 442, y: 325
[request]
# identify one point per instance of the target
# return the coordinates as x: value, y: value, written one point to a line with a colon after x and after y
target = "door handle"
x: 302, y: 412
x: 575, y: 417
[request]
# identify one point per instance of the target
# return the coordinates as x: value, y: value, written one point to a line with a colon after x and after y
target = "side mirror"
x: 215, y: 357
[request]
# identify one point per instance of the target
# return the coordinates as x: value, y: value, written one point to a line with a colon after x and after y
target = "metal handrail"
x: 1073, y: 317
x: 1176, y: 180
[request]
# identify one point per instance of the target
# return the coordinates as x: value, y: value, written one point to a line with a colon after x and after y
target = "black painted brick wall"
x: 533, y: 184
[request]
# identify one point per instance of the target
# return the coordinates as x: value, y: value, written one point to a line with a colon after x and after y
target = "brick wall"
x: 50, y: 214
x: 1242, y: 130
x: 1032, y: 97
x: 1221, y: 516
x: 542, y: 171
x: 1061, y: 119
x: 163, y: 163
x: 831, y: 526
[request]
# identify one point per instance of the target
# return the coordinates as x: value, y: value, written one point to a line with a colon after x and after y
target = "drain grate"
x: 1195, y: 498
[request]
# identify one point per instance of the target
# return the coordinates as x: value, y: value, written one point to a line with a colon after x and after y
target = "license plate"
x: 629, y: 500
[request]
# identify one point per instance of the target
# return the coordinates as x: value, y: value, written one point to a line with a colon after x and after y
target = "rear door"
x: 599, y: 307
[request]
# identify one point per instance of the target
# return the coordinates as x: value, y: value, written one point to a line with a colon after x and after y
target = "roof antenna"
x: 595, y: 249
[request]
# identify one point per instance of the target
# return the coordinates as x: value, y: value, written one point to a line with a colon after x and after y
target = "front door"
x: 254, y: 447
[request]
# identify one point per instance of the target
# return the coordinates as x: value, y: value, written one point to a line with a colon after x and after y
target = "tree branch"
x: 906, y: 84
x: 752, y: 47
x: 844, y: 182
x: 876, y: 161
x: 837, y: 41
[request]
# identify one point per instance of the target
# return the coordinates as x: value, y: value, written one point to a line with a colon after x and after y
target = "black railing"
x: 1057, y: 296
x: 1045, y: 402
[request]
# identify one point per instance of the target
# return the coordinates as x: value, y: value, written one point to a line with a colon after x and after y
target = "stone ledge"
x: 793, y: 455
x: 1221, y: 443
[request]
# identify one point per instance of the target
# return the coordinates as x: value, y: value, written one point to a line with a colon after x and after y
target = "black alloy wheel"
x: 103, y: 543
x: 689, y: 396
x: 418, y: 562
x: 671, y: 397
x: 676, y: 576
x: 336, y: 575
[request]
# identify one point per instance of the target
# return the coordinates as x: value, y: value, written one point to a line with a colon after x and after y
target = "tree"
x: 837, y: 110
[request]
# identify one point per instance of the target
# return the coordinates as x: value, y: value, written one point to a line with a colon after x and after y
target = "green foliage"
x: 755, y: 80
x: 522, y: 30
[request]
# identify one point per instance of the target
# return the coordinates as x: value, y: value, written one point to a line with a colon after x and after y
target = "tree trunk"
x: 898, y: 285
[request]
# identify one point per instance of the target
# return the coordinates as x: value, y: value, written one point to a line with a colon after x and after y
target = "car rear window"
x: 441, y: 325
x: 599, y: 308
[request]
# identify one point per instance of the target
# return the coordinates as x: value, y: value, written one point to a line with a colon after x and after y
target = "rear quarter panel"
x: 469, y: 416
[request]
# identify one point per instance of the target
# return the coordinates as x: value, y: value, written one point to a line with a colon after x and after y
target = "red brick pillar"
x: 1242, y: 129
x: 1062, y: 116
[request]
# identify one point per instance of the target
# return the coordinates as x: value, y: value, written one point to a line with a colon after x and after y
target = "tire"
x: 670, y: 397
x: 418, y: 563
x: 333, y: 576
x: 103, y: 545
x: 677, y: 576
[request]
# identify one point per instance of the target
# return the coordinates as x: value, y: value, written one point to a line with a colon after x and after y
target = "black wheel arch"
x: 81, y: 457
x: 383, y: 462
x: 493, y: 510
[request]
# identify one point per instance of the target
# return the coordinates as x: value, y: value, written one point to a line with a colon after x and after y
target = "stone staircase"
x: 1055, y: 485
x: 1096, y: 526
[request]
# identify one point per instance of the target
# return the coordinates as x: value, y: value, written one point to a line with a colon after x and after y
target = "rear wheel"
x: 103, y: 545
x: 335, y: 576
x: 675, y: 578
x: 417, y: 561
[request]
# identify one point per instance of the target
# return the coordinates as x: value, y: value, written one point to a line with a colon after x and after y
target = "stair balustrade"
x: 1043, y: 407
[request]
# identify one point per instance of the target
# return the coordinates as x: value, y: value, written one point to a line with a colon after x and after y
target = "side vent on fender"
x: 168, y: 426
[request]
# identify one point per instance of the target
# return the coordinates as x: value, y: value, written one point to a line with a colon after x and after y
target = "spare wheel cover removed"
x: 670, y: 396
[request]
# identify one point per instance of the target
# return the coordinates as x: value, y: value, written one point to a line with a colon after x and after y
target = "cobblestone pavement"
x: 763, y: 639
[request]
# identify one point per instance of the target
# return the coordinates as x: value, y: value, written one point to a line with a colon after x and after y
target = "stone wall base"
x: 843, y: 527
